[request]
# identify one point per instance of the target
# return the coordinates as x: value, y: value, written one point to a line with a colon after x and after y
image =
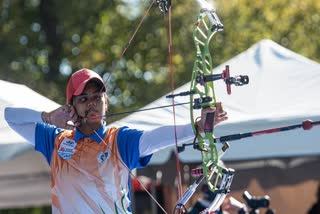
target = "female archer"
x: 91, y: 163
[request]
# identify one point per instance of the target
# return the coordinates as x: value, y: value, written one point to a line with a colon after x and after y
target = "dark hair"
x: 98, y: 83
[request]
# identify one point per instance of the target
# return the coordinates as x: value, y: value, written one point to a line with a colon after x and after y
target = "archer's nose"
x: 92, y: 103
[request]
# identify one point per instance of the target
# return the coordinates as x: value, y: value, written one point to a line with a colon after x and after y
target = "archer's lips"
x: 92, y: 115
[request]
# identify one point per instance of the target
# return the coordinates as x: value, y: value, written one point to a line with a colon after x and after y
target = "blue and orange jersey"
x: 90, y: 175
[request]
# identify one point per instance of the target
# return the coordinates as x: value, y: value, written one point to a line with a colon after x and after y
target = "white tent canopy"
x: 283, y: 90
x: 20, y: 96
x: 24, y: 173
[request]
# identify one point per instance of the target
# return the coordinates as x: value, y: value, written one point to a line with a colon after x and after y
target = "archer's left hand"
x: 219, y: 116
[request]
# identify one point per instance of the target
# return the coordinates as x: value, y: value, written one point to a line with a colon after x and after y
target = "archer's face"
x: 91, y: 103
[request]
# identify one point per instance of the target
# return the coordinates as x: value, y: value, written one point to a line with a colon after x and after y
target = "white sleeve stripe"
x: 23, y: 121
x: 163, y: 137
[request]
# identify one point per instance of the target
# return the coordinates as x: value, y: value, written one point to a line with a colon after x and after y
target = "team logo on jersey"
x: 67, y: 148
x: 103, y: 156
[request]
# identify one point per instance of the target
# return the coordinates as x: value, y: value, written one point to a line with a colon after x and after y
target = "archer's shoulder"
x: 126, y: 132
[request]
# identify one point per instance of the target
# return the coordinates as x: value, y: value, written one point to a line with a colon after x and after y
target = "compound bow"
x: 202, y: 95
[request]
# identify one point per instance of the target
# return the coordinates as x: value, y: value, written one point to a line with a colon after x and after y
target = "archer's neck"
x: 89, y: 128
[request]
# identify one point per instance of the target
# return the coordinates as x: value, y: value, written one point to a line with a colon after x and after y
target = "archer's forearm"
x: 163, y: 137
x: 23, y: 121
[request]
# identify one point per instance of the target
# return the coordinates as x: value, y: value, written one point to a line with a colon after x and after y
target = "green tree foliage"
x: 38, y: 36
x: 292, y: 24
x: 42, y: 42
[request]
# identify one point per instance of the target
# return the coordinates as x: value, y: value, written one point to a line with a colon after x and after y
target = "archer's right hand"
x: 62, y: 117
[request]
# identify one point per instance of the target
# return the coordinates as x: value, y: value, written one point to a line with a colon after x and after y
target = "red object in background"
x: 145, y: 182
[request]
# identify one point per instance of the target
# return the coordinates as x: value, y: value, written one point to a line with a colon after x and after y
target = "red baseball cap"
x: 78, y: 81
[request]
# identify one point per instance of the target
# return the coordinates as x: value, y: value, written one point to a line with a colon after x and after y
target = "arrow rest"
x: 198, y: 103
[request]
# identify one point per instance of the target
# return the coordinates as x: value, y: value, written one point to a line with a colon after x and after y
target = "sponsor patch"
x: 67, y: 148
x: 102, y: 157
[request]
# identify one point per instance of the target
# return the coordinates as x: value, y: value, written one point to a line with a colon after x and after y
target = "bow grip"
x: 226, y: 76
x: 208, y: 124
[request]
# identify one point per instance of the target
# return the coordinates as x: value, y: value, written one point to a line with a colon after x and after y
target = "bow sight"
x: 202, y: 79
x: 239, y: 80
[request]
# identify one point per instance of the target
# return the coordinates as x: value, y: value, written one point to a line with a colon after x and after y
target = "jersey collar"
x: 101, y: 132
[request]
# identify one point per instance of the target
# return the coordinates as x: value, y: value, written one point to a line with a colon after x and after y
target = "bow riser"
x: 204, y: 94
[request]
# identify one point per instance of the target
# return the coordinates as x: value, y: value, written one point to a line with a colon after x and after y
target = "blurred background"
x: 43, y: 41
